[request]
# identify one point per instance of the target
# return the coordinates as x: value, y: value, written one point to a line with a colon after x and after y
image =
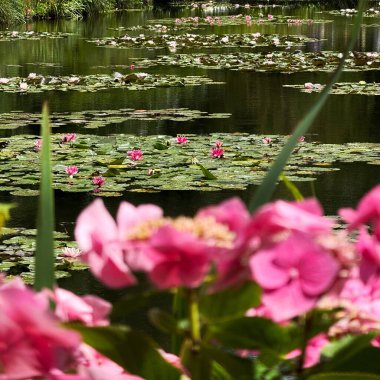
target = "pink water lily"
x: 217, y: 152
x: 293, y: 275
x: 135, y: 155
x: 180, y: 139
x: 98, y: 181
x: 308, y: 86
x: 68, y: 137
x: 37, y: 145
x: 267, y: 140
x: 71, y: 170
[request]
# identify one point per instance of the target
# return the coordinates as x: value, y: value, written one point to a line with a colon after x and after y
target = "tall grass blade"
x: 265, y: 191
x: 44, y: 277
x: 293, y: 189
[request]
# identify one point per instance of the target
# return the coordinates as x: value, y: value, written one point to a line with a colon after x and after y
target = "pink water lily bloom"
x: 98, y: 237
x: 71, y: 170
x: 180, y: 139
x: 37, y: 145
x: 301, y: 139
x: 267, y: 140
x: 217, y: 152
x: 270, y: 17
x: 68, y: 137
x: 308, y: 86
x: 98, y: 181
x: 135, y: 155
x: 293, y: 275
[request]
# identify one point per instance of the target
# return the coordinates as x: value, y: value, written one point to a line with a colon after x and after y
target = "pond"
x: 254, y: 102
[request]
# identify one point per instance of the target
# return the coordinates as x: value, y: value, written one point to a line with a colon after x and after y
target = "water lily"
x: 301, y: 139
x: 267, y: 140
x: 217, y: 152
x: 73, y: 80
x: 180, y: 139
x: 71, y: 170
x: 135, y: 154
x: 270, y: 17
x: 132, y: 66
x: 32, y: 76
x: 218, y: 144
x: 99, y: 182
x: 68, y: 137
x: 308, y: 86
x: 38, y: 145
x: 4, y: 80
x: 23, y: 86
x: 70, y: 252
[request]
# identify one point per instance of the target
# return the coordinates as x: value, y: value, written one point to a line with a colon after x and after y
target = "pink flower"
x: 98, y: 237
x: 178, y: 21
x: 301, y: 139
x: 270, y: 17
x: 248, y: 19
x: 37, y: 145
x: 70, y: 252
x: 135, y: 155
x: 71, y: 170
x: 308, y: 86
x: 179, y: 259
x: 132, y: 66
x: 313, y: 350
x: 267, y: 140
x: 293, y: 275
x: 368, y: 210
x: 218, y: 144
x: 217, y: 152
x: 182, y: 139
x: 33, y: 345
x: 23, y: 86
x: 4, y: 80
x: 369, y: 248
x: 94, y: 366
x: 68, y: 137
x: 98, y: 181
x: 279, y: 217
x: 91, y: 310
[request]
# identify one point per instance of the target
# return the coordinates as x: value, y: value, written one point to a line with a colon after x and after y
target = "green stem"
x: 194, y: 317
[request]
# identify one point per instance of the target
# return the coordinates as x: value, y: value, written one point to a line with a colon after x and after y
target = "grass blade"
x: 293, y: 189
x: 265, y: 191
x: 44, y: 277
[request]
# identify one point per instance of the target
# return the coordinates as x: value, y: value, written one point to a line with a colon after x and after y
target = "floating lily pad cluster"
x: 92, y: 83
x: 97, y: 119
x: 17, y: 248
x: 371, y: 12
x: 30, y: 35
x: 188, y: 40
x: 283, y: 61
x: 239, y: 19
x: 158, y: 28
x: 165, y: 164
x: 343, y: 88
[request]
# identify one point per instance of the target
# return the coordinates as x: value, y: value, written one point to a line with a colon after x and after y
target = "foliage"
x: 11, y: 11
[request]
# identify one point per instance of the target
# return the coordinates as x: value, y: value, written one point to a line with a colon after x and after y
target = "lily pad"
x: 342, y: 88
x: 275, y: 61
x: 93, y: 83
x: 245, y: 161
x: 30, y: 35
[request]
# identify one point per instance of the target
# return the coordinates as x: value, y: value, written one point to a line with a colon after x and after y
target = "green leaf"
x: 207, y: 174
x: 266, y: 189
x: 355, y: 354
x: 230, y: 303
x: 293, y: 189
x: 133, y: 350
x: 254, y: 333
x: 160, y: 146
x: 4, y: 213
x: 237, y: 367
x: 44, y: 277
x: 344, y: 376
x: 195, y: 360
x: 163, y: 321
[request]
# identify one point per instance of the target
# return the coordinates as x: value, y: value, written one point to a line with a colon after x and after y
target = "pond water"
x: 257, y: 101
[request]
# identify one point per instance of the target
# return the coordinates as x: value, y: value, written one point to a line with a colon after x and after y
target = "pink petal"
x: 266, y: 272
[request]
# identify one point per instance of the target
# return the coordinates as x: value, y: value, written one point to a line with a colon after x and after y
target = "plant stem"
x: 194, y: 317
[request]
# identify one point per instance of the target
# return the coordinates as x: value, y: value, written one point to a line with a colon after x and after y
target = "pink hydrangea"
x: 33, y: 345
x: 293, y: 275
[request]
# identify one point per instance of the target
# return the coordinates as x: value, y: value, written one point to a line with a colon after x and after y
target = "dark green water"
x: 257, y: 101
